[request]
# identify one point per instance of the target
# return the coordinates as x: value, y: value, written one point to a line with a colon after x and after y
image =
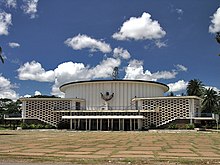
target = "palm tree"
x: 210, y: 101
x: 1, y: 55
x: 195, y: 88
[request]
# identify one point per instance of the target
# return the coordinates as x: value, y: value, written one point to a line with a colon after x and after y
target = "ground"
x: 156, y: 147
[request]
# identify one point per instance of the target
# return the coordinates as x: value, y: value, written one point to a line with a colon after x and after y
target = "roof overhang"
x: 103, y: 117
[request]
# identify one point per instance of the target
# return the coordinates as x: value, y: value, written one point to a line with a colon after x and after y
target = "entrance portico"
x: 105, y: 123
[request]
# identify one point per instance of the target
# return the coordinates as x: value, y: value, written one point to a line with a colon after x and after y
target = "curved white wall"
x: 123, y: 91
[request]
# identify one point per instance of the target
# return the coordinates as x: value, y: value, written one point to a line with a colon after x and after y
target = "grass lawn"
x: 110, y: 147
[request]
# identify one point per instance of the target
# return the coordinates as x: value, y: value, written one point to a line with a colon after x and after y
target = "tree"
x: 1, y: 57
x: 195, y: 88
x: 211, y: 101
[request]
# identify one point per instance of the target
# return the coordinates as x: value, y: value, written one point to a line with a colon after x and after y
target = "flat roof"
x: 103, y: 117
x: 94, y: 81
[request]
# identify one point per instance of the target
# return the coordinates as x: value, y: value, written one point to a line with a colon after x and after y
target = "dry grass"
x: 110, y: 147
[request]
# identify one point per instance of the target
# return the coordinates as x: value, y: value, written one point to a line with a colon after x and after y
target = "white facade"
x: 112, y: 105
x: 124, y: 91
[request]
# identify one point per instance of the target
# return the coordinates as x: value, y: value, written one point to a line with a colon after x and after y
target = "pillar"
x: 119, y: 124
x: 71, y: 123
x: 86, y: 125
x: 100, y: 124
x: 90, y: 124
x: 112, y: 125
x: 130, y: 124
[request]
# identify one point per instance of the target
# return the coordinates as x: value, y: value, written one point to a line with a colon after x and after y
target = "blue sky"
x: 49, y: 43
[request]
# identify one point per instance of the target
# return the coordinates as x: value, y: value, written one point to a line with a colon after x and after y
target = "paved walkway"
x: 109, y: 146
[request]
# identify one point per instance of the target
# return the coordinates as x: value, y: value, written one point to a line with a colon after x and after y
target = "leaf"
x: 2, y: 59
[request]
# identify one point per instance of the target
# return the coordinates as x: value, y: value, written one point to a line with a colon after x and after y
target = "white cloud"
x: 13, y: 44
x: 83, y: 41
x: 120, y: 52
x: 69, y: 71
x: 6, y: 89
x: 27, y: 96
x: 214, y: 88
x: 30, y: 7
x: 140, y: 28
x: 36, y: 93
x: 135, y: 70
x: 160, y: 44
x: 34, y: 71
x: 177, y: 86
x: 181, y: 68
x: 11, y: 3
x: 5, y: 22
x: 215, y: 26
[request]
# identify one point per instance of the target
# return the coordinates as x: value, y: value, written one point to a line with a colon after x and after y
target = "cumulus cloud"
x: 83, y: 41
x: 36, y: 93
x: 69, y: 71
x: 14, y: 44
x: 135, y: 70
x: 181, y: 68
x: 215, y: 22
x: 30, y: 7
x: 178, y: 86
x: 7, y: 89
x: 121, y: 53
x: 140, y: 28
x: 5, y: 22
x: 34, y: 71
x: 11, y: 3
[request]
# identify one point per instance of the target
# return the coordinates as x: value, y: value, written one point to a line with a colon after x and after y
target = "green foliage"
x: 190, y: 126
x: 172, y: 126
x: 36, y: 126
x: 195, y: 87
x: 211, y: 101
x: 8, y: 106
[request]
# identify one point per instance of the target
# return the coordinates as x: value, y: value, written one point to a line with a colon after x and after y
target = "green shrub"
x: 190, y: 126
x: 172, y: 126
x: 24, y: 126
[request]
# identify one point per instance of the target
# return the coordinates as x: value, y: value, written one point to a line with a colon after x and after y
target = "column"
x: 123, y: 128
x: 86, y: 125
x: 130, y: 124
x: 108, y: 124
x: 100, y: 124
x: 78, y: 123
x: 119, y: 124
x: 138, y: 120
x: 112, y: 125
x: 134, y: 124
x: 71, y: 124
x: 90, y: 124
x: 97, y: 124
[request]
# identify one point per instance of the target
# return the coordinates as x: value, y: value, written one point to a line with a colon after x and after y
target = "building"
x: 112, y: 105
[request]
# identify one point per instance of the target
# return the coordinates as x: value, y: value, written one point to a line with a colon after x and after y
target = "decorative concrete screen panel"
x: 43, y: 110
x: 164, y: 110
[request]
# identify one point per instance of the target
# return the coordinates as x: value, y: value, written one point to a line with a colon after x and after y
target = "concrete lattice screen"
x: 163, y: 111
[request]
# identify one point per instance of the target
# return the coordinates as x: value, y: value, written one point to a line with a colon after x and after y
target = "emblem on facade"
x: 107, y: 96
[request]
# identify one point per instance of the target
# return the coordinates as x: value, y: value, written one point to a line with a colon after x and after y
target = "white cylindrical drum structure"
x: 115, y: 93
